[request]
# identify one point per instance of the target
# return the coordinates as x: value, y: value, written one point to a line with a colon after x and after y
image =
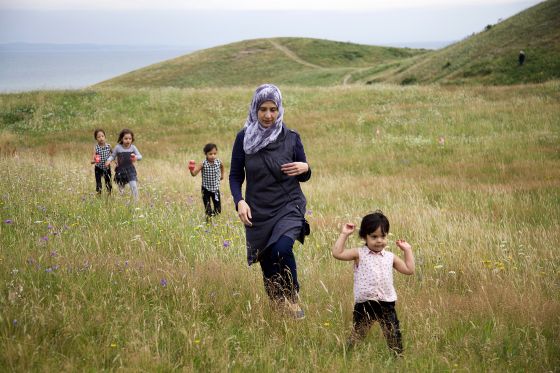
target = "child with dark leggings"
x: 374, y: 293
x: 212, y: 174
x: 101, y: 153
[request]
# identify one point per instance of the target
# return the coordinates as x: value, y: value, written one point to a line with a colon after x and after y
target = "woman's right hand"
x: 244, y: 213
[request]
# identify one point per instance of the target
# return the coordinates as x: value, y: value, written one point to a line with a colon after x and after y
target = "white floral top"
x: 373, y: 276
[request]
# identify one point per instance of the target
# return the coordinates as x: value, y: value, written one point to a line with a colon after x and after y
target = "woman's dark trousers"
x: 278, y: 265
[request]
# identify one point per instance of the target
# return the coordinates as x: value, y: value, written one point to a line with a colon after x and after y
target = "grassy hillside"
x: 490, y: 56
x: 469, y: 176
x: 294, y: 61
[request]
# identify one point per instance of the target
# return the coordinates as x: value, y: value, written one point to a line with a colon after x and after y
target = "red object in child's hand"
x: 192, y: 165
x: 97, y: 158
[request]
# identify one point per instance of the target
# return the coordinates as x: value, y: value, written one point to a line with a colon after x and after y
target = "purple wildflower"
x: 163, y: 282
x: 49, y: 270
x: 14, y: 322
x: 54, y: 253
x: 227, y: 243
x: 44, y: 238
x: 8, y: 221
x: 49, y: 227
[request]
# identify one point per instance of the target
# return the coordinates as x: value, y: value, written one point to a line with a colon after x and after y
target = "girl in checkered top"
x: 374, y: 293
x: 212, y: 173
x: 101, y: 153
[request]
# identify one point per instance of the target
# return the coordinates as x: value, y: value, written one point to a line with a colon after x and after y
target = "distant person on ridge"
x: 521, y: 58
x: 270, y: 157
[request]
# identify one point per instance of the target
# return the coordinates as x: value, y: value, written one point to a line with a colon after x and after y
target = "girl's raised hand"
x: 403, y: 245
x: 133, y: 157
x: 348, y: 228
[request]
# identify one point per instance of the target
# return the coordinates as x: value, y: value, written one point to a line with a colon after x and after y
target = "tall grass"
x: 100, y: 283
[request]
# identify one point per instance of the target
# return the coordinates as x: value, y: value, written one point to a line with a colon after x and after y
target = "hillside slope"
x: 294, y: 61
x: 490, y: 57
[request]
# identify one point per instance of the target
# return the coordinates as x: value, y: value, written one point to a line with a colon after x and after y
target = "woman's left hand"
x: 294, y: 168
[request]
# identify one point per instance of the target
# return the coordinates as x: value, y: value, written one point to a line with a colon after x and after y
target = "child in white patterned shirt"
x: 212, y: 174
x: 374, y: 293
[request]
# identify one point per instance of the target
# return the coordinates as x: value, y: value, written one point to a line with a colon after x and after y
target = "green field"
x: 89, y: 283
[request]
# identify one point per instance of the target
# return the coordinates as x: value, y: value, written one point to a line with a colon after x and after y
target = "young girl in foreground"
x: 374, y: 293
x: 125, y: 155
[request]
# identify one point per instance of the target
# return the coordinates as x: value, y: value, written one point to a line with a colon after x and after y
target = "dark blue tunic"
x: 276, y: 200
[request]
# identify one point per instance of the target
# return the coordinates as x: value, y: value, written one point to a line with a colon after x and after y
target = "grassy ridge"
x: 488, y: 57
x: 92, y: 283
x: 301, y: 61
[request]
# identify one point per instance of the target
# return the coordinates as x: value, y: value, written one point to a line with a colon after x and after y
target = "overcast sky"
x: 206, y: 23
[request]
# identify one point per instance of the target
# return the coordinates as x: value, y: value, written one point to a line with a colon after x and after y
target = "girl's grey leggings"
x: 133, y: 189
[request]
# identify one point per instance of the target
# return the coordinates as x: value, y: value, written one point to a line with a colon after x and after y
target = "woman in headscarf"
x: 271, y: 158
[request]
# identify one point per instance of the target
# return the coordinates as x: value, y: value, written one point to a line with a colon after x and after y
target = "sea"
x: 28, y: 67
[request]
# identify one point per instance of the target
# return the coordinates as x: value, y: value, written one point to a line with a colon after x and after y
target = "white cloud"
x: 220, y: 5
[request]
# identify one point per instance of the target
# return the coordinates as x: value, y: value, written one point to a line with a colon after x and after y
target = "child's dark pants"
x: 106, y: 174
x: 366, y: 313
x: 209, y: 198
x: 278, y: 265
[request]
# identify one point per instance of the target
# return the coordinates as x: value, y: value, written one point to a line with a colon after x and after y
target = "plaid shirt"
x: 211, y: 175
x: 104, y: 153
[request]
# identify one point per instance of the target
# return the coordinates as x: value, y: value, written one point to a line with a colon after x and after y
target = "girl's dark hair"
x: 209, y: 147
x: 371, y: 222
x: 125, y: 131
x: 97, y: 130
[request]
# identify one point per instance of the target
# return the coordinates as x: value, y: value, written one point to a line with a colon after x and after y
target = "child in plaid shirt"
x: 212, y: 173
x: 101, y: 152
